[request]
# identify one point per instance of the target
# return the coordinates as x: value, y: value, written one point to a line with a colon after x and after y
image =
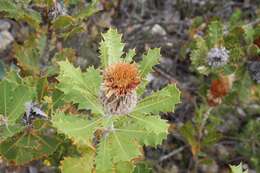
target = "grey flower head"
x: 254, y: 69
x: 57, y: 10
x: 218, y: 57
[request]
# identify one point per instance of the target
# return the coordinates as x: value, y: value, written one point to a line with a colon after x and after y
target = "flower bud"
x: 218, y: 56
x: 118, y: 90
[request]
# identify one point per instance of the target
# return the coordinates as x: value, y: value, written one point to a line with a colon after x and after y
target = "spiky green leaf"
x: 12, y: 100
x: 215, y: 33
x: 199, y: 54
x: 148, y: 61
x: 129, y: 56
x: 153, y: 124
x: 104, y: 162
x: 82, y: 164
x: 160, y: 101
x: 78, y: 129
x: 81, y: 88
x: 111, y: 48
x: 123, y: 147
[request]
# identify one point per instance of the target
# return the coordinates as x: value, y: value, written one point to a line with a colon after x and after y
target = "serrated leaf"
x: 78, y: 129
x: 82, y: 164
x: 111, y: 48
x: 199, y: 54
x: 12, y: 100
x: 81, y: 88
x: 29, y: 145
x: 129, y: 56
x: 160, y: 101
x: 237, y: 169
x: 235, y: 19
x: 144, y: 133
x: 62, y: 22
x: 28, y: 55
x: 88, y: 11
x: 148, y: 61
x: 153, y: 124
x: 104, y: 158
x: 215, y: 33
x: 7, y: 6
x: 30, y: 16
x: 123, y: 147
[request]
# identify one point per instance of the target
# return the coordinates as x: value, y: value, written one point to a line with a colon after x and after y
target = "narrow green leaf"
x: 148, y: 61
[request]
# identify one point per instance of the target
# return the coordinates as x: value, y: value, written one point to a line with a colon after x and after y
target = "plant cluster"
x: 225, y: 56
x: 100, y: 115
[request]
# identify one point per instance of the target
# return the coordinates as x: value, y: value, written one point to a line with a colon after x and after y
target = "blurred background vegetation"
x: 35, y: 34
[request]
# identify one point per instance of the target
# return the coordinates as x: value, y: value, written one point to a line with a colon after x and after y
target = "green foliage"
x: 30, y: 144
x: 78, y: 129
x: 21, y: 12
x: 121, y: 137
x: 10, y: 94
x: 148, y: 61
x: 81, y: 88
x: 104, y: 143
x: 215, y: 33
x: 82, y: 164
x: 29, y: 81
x: 199, y: 55
x: 225, y: 92
x: 153, y: 103
x: 111, y: 48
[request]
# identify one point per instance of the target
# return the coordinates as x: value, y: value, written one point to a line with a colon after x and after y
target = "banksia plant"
x: 216, y: 50
x: 121, y: 121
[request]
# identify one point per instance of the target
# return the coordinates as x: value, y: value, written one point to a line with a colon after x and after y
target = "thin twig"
x: 174, y: 152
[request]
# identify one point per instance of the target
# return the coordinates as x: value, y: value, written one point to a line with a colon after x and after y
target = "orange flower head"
x: 121, y: 78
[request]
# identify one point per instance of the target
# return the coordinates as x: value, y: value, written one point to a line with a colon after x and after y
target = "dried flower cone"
x: 118, y: 90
